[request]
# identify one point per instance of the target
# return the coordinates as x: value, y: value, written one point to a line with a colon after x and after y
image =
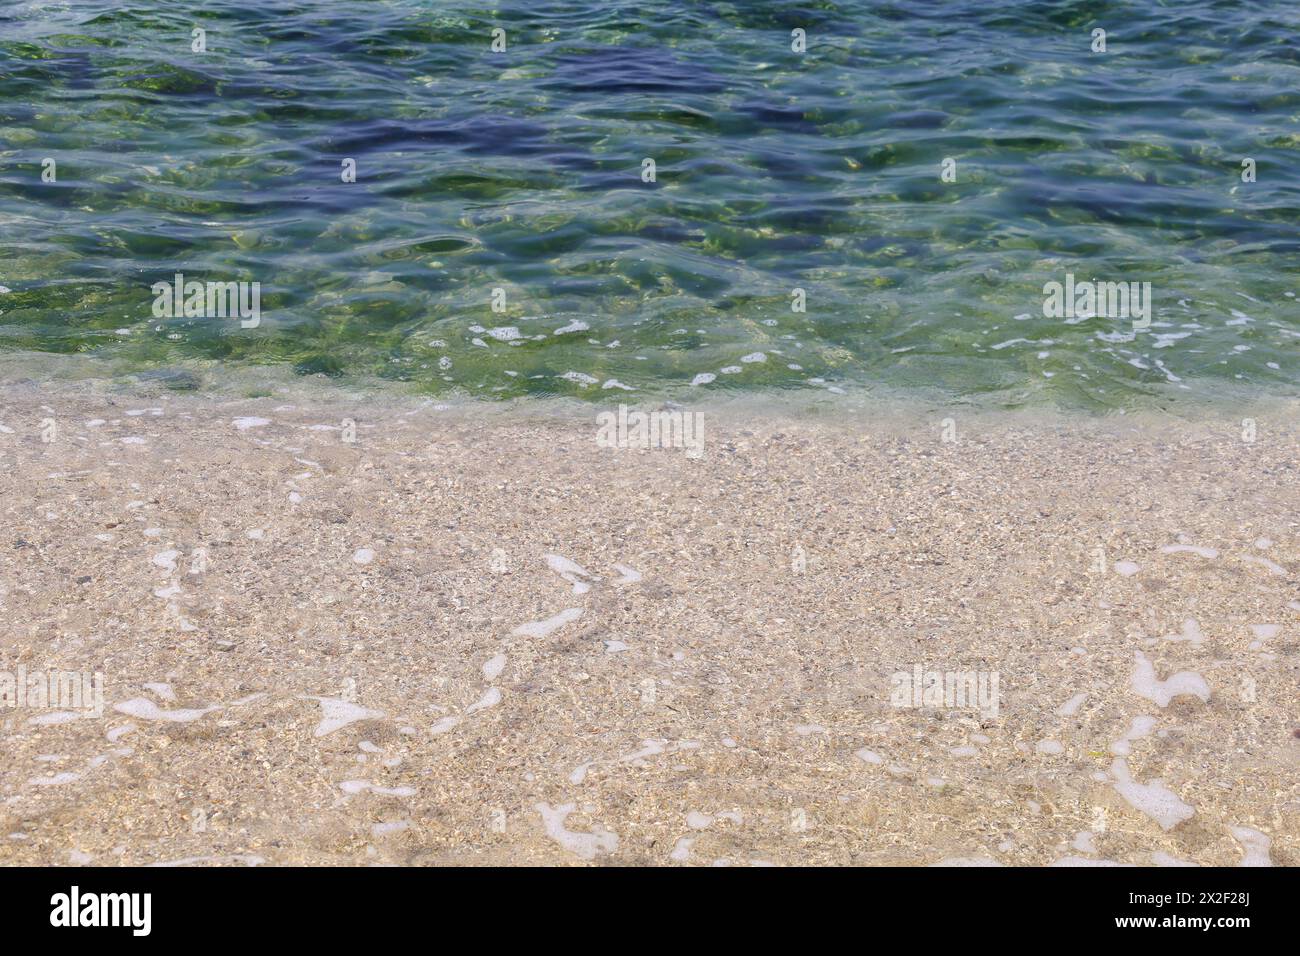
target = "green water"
x: 521, y: 171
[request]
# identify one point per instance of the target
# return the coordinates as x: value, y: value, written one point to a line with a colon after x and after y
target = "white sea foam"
x: 161, y: 691
x: 1159, y: 692
x: 543, y: 628
x: 570, y: 571
x: 145, y: 709
x: 1085, y: 861
x: 1071, y: 706
x: 1256, y: 845
x: 361, y: 786
x: 1191, y: 633
x: 1194, y: 549
x: 57, y: 717
x: 166, y: 560
x: 1141, y: 726
x: 489, y: 699
x: 649, y: 748
x: 1272, y: 566
x: 968, y: 861
x: 494, y: 666
x: 1154, y: 799
x: 247, y: 859
x: 337, y: 714
x: 57, y: 780
x: 585, y: 845
x: 629, y: 575
x: 682, y: 849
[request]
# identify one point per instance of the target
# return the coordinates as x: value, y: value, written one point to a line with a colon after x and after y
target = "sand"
x: 474, y: 636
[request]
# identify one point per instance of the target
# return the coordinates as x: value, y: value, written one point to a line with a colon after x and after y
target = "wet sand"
x: 319, y: 651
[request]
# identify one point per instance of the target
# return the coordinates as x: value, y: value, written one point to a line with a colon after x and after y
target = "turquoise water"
x: 522, y: 171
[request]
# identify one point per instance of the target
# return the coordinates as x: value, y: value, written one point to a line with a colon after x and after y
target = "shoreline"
x: 475, y: 636
x: 77, y: 375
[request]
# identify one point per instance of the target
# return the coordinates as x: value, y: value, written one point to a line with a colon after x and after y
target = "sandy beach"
x: 404, y: 632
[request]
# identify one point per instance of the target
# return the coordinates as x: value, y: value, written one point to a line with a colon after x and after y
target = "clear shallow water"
x: 522, y: 171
